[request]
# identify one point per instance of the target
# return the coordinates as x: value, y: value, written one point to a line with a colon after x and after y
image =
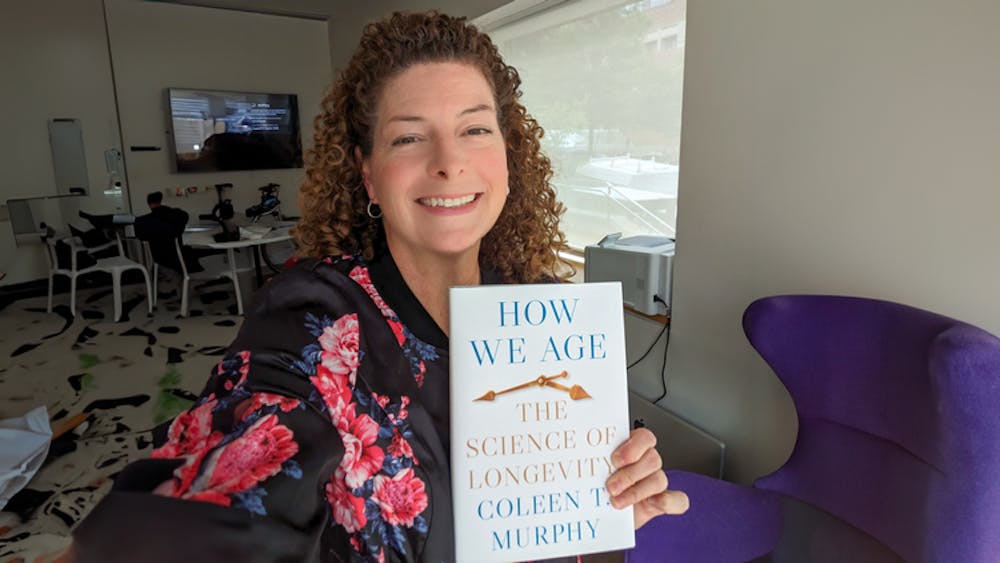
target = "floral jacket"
x: 321, y: 436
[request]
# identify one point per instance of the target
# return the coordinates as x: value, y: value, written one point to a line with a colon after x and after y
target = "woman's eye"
x: 404, y: 140
x: 479, y: 131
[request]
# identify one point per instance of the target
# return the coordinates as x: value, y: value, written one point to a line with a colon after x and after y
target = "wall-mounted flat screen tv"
x: 218, y: 130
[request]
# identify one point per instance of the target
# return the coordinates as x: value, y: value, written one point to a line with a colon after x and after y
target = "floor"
x: 130, y: 376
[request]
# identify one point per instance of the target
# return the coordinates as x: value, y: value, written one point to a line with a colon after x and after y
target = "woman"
x: 323, y: 434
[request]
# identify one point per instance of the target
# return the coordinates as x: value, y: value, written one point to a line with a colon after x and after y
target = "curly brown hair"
x: 522, y: 246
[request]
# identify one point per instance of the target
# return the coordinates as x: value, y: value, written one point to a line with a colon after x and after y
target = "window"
x: 604, y: 79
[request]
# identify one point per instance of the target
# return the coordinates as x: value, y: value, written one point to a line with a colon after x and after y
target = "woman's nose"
x: 448, y: 160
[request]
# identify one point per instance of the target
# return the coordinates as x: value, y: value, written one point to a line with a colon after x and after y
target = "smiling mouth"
x: 448, y: 201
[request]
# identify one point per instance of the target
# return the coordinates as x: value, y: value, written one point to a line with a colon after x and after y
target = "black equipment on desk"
x: 269, y: 204
x: 223, y: 214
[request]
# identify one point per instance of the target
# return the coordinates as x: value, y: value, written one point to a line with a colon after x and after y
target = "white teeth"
x: 449, y: 202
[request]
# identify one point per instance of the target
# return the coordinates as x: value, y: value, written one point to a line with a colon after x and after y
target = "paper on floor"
x: 24, y: 443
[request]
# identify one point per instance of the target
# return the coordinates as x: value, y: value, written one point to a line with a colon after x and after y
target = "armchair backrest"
x: 899, y: 420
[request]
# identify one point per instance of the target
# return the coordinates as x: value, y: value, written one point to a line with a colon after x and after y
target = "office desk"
x: 199, y: 237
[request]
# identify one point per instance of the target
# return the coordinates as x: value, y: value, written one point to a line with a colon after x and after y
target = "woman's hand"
x: 639, y: 480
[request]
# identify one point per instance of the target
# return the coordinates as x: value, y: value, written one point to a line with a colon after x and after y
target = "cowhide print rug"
x: 130, y: 376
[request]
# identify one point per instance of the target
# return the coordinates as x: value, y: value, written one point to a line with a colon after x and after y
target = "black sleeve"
x: 242, y: 474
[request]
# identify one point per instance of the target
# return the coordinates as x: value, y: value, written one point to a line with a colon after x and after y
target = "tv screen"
x: 218, y: 130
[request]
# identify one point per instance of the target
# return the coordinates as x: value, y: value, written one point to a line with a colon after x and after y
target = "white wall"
x: 828, y: 147
x: 155, y: 46
x: 54, y: 61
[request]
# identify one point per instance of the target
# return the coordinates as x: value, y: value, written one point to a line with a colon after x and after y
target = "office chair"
x: 187, y: 276
x: 114, y: 265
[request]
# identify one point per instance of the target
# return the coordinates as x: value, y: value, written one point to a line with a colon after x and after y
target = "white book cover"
x: 539, y: 401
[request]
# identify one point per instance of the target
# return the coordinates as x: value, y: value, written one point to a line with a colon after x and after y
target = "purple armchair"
x: 898, y: 449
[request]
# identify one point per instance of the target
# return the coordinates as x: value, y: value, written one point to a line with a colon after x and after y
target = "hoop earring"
x: 369, y: 210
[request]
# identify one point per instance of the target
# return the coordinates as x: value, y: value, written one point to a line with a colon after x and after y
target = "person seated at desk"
x: 159, y: 228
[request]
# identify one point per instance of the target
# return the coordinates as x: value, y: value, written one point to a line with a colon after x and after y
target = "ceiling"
x: 317, y: 9
x: 347, y: 9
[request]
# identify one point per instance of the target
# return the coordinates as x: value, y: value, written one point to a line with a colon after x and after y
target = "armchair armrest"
x: 726, y: 522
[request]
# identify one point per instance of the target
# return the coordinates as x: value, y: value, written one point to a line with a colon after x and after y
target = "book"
x: 539, y: 401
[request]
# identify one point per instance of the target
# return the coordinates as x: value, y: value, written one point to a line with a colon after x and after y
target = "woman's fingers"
x: 640, y: 482
x: 639, y: 441
x: 667, y: 502
x: 623, y: 481
x: 650, y: 484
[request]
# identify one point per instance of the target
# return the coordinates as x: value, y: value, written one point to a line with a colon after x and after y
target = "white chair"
x: 115, y: 265
x: 231, y: 274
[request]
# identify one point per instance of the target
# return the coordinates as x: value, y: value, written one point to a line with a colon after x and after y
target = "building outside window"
x: 604, y: 79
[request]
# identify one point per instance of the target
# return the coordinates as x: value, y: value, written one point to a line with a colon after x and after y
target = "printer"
x: 643, y: 264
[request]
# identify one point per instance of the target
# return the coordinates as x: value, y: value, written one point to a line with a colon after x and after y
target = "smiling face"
x: 438, y: 164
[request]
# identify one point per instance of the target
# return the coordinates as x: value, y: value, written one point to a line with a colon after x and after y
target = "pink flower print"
x: 401, y: 498
x: 340, y: 346
x: 334, y: 389
x: 185, y: 475
x: 188, y: 432
x: 190, y: 436
x: 400, y: 447
x: 403, y: 413
x: 249, y: 459
x: 213, y: 497
x: 361, y: 277
x: 258, y: 400
x: 397, y: 329
x: 243, y: 370
x: 362, y: 458
x: 348, y: 510
x: 421, y: 372
x: 382, y: 400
